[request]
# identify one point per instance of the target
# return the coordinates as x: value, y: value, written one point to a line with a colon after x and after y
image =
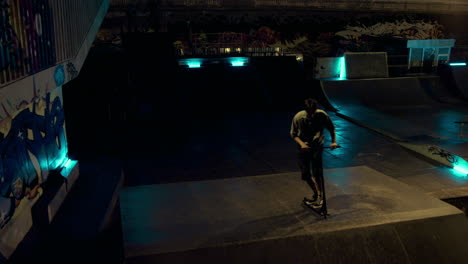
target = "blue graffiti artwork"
x: 59, y: 75
x: 72, y: 72
x: 6, y: 207
x: 32, y: 147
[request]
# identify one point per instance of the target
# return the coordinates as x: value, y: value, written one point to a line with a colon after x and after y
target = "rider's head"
x: 311, y: 106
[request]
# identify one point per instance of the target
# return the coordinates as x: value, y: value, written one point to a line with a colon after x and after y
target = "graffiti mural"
x: 72, y: 72
x: 34, y: 143
x: 59, y: 75
x: 27, y: 41
x: 435, y: 150
x: 315, y: 36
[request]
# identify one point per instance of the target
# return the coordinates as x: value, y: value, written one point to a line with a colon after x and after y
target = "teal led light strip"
x: 461, y: 169
x: 342, y: 65
x: 238, y: 61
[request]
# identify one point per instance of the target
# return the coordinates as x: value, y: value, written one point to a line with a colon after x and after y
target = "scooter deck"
x: 321, y: 211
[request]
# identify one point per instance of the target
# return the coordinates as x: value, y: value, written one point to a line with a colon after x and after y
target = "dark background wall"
x: 139, y: 90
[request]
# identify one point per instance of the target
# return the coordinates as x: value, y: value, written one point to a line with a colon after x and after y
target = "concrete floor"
x: 245, y: 148
x: 236, y: 147
x: 259, y: 144
x: 178, y: 217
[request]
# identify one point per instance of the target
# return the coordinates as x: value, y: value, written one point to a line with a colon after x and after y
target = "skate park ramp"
x: 404, y: 107
x: 457, y: 78
x: 261, y: 219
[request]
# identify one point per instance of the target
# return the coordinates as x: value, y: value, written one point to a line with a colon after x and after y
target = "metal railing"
x: 199, y: 2
x: 36, y: 35
x: 354, y: 2
x: 301, y: 3
x: 120, y: 3
x: 186, y: 3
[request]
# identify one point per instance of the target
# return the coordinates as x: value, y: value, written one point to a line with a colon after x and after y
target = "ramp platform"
x: 264, y: 216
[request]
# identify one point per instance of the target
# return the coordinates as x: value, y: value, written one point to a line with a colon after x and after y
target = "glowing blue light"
x: 461, y: 169
x: 457, y: 64
x: 60, y: 162
x: 238, y: 61
x: 342, y: 64
x: 68, y: 168
x: 67, y: 163
x: 191, y: 63
x: 194, y: 64
x: 63, y: 162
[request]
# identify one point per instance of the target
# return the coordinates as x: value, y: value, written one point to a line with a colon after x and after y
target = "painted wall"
x: 330, y: 36
x: 32, y: 142
x: 34, y: 65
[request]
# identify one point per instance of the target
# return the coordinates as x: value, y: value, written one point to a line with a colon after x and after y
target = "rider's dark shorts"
x: 310, y: 163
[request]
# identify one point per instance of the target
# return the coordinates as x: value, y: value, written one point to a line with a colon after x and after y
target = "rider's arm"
x: 331, y: 128
x: 333, y: 136
x: 300, y: 142
x: 294, y: 132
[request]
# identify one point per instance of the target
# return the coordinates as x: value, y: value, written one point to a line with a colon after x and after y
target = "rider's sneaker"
x: 314, y: 198
x: 319, y: 202
x: 311, y: 201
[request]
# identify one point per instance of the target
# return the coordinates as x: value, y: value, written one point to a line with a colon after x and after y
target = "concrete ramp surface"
x: 456, y: 77
x: 213, y: 220
x: 386, y: 92
x: 405, y: 107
